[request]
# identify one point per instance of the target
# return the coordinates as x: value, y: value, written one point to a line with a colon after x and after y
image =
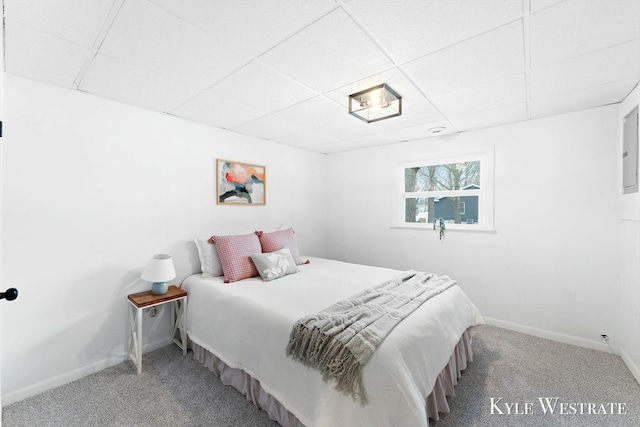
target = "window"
x: 458, y: 190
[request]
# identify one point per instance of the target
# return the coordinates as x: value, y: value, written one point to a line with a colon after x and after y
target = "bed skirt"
x: 435, y: 403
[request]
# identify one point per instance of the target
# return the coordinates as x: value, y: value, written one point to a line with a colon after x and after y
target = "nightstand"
x: 138, y: 302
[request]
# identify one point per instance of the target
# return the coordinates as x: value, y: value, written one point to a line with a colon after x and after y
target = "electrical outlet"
x: 605, y: 338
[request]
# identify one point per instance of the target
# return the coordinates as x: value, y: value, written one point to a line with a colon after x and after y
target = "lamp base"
x: 159, y: 288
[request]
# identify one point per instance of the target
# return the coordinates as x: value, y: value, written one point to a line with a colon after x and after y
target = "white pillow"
x: 209, y: 259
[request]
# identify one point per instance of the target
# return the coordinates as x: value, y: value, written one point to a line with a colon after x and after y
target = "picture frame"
x: 240, y: 183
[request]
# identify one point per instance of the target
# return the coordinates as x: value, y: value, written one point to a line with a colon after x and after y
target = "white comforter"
x: 247, y: 324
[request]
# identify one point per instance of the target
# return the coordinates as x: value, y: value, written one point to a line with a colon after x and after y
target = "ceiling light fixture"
x: 376, y: 103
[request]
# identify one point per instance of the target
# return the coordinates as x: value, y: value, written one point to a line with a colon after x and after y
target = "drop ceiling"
x: 282, y: 70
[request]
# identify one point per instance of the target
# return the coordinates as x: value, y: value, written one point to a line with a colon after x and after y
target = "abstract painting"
x: 241, y: 183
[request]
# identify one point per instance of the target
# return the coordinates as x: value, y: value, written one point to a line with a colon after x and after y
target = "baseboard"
x: 76, y: 374
x: 553, y: 336
x: 635, y: 371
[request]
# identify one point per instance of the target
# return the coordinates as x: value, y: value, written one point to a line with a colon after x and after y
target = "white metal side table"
x: 138, y: 302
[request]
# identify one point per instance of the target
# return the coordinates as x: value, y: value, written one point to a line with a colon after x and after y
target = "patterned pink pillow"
x: 235, y: 255
x: 277, y: 240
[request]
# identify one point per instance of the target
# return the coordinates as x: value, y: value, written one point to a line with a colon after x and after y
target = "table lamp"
x: 159, y: 270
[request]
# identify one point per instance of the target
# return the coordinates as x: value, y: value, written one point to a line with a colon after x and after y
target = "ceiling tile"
x: 259, y: 87
x: 328, y: 54
x: 412, y: 28
x: 335, y: 147
x: 371, y: 140
x: 382, y: 139
x: 32, y: 52
x: 420, y: 132
x: 115, y: 79
x: 412, y: 115
x: 484, y: 97
x: 537, y: 5
x: 268, y: 127
x: 619, y: 62
x: 78, y: 21
x: 497, y: 117
x: 314, y: 113
x: 575, y: 27
x: 395, y: 78
x: 215, y: 111
x: 307, y: 139
x: 27, y: 74
x: 350, y: 127
x: 488, y: 57
x: 151, y: 38
x: 582, y: 99
x: 252, y: 26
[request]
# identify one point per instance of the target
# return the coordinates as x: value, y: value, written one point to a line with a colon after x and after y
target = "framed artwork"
x: 240, y: 183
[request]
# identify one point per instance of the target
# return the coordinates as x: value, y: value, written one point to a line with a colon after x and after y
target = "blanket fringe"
x: 315, y: 349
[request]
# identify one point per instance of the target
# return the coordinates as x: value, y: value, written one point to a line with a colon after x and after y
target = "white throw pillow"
x: 209, y: 259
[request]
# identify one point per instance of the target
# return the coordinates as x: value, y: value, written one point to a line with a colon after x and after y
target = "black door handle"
x: 10, y: 294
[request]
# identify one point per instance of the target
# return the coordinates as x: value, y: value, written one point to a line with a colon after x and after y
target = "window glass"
x: 452, y: 176
x: 454, y: 210
x: 456, y: 188
x: 451, y: 191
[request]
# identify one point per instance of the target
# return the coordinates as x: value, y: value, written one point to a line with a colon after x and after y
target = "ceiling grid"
x: 283, y: 70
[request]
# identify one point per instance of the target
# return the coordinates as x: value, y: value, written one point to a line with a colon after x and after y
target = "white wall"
x: 630, y: 265
x: 552, y: 266
x: 93, y: 189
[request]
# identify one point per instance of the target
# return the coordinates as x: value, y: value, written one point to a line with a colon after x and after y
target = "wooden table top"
x: 146, y: 298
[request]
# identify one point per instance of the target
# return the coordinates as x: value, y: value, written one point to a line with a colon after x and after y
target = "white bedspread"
x: 247, y: 324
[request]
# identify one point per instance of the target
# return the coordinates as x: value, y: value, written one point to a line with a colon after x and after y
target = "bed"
x: 240, y: 330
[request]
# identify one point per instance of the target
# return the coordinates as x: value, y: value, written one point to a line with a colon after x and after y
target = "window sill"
x: 449, y: 227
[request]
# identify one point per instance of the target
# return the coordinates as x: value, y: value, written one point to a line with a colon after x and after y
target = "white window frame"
x: 485, y: 193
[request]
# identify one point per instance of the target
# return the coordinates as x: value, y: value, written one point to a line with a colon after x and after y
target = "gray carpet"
x: 177, y: 391
x: 173, y: 390
x: 521, y: 369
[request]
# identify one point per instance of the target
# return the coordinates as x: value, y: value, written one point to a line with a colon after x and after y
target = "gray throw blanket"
x: 341, y: 339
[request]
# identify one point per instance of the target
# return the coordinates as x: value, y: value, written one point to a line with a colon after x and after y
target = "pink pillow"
x: 235, y: 255
x: 277, y: 240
